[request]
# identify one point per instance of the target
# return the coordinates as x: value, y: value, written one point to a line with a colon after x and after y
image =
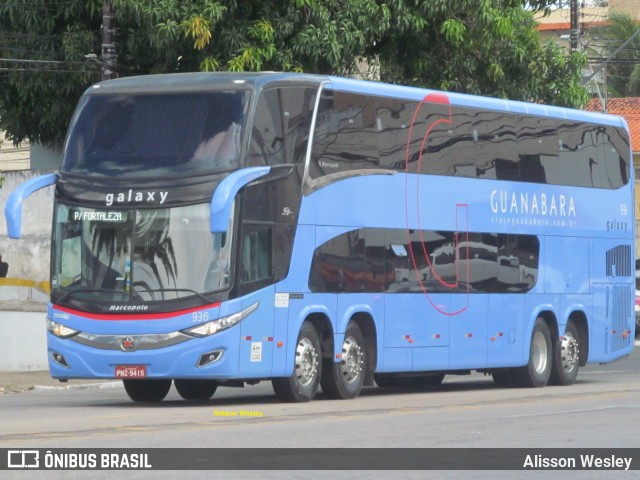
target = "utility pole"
x: 108, y: 56
x: 575, y: 26
x: 603, y: 66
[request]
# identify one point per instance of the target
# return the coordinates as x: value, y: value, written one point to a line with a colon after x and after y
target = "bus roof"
x: 199, y: 81
x: 466, y: 100
x: 258, y: 80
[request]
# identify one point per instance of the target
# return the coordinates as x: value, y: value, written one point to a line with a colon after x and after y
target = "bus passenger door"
x: 255, y: 274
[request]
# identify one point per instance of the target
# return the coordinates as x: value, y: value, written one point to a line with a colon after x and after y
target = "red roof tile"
x: 544, y: 27
x: 629, y: 108
x: 554, y: 26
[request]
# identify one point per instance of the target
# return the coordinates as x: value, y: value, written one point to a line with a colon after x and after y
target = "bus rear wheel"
x: 566, y: 357
x: 303, y: 383
x: 195, y: 389
x: 536, y: 373
x: 147, y: 390
x: 344, y: 379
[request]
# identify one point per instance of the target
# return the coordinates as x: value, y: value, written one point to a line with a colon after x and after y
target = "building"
x: 630, y: 7
x: 556, y: 27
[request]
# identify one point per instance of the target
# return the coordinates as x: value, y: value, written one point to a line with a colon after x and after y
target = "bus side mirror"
x: 13, y: 208
x: 225, y: 194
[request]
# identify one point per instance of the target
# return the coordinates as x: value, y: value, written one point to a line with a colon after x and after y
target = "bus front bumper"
x: 213, y: 357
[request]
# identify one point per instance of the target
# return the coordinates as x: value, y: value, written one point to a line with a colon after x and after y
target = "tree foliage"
x: 478, y: 46
x: 46, y: 42
x: 623, y: 70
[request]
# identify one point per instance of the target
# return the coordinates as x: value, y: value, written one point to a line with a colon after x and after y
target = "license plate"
x: 131, y: 371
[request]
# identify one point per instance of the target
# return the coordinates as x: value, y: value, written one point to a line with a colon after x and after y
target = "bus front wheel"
x: 344, y: 379
x: 147, y: 390
x: 303, y: 383
x: 191, y: 389
x: 536, y: 373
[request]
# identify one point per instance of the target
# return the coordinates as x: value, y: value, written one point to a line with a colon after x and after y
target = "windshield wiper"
x: 88, y: 290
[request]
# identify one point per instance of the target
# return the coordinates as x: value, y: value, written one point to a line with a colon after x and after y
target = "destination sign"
x: 97, y: 216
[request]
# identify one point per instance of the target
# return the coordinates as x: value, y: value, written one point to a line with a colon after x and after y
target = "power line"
x: 32, y: 70
x: 57, y: 62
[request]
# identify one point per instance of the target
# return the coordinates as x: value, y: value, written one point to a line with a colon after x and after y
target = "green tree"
x: 486, y: 47
x: 45, y: 42
x: 623, y: 71
x: 476, y: 46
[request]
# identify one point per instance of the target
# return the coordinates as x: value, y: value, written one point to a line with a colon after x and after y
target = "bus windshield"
x: 152, y: 135
x: 137, y: 255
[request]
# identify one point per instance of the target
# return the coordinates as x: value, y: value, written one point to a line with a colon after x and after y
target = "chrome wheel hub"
x: 569, y: 351
x: 306, y: 362
x: 352, y: 360
x: 540, y: 352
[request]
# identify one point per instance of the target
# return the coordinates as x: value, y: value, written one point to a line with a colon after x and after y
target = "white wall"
x: 45, y: 158
x: 23, y: 341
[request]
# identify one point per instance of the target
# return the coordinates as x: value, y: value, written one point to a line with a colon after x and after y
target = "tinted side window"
x: 281, y: 126
x: 345, y: 137
x: 518, y: 257
x: 477, y: 256
x: 339, y: 265
x: 256, y: 257
x: 376, y: 260
x: 393, y: 121
x: 498, y: 145
x: 360, y: 131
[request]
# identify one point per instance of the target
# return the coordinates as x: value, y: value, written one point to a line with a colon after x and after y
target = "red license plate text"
x: 131, y: 371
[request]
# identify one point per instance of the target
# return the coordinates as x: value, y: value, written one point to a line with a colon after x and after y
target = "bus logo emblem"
x: 127, y: 344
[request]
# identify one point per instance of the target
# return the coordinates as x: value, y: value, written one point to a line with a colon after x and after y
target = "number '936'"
x: 197, y: 317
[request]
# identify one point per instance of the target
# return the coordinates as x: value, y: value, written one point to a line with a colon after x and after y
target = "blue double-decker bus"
x: 326, y: 233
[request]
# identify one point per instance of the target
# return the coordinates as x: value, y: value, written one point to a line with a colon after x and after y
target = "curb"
x: 85, y: 386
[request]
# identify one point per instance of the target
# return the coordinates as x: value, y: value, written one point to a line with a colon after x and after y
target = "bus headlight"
x: 215, y: 326
x: 60, y: 330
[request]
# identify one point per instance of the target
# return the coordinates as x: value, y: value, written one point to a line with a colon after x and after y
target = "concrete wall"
x: 23, y: 341
x: 45, y: 158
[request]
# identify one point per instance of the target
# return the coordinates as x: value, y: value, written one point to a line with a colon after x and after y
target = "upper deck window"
x: 151, y: 135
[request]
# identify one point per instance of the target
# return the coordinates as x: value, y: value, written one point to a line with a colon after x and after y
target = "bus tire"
x: 196, y: 389
x: 537, y: 371
x: 147, y: 390
x: 302, y: 385
x: 344, y: 379
x: 566, y: 357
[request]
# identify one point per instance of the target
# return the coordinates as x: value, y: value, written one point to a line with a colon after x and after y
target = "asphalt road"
x: 602, y: 409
